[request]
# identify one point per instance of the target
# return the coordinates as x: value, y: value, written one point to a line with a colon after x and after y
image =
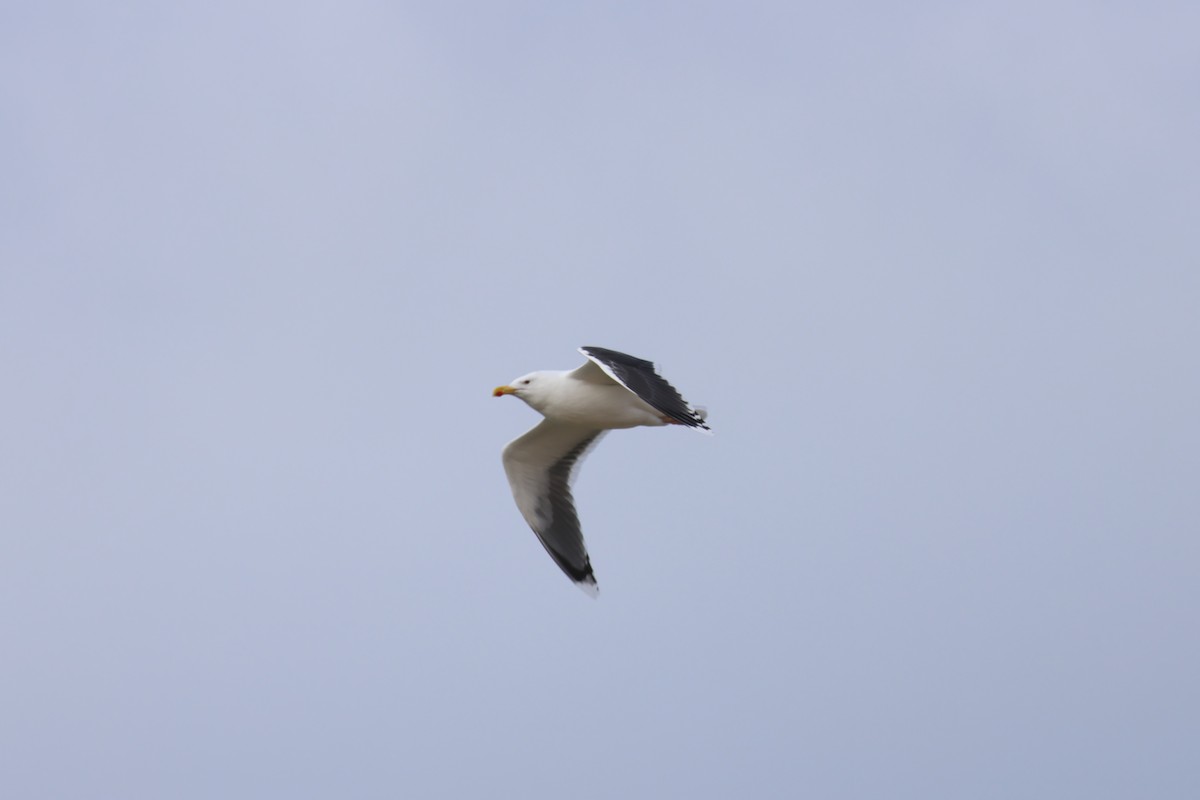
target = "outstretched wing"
x: 640, y: 377
x: 540, y: 466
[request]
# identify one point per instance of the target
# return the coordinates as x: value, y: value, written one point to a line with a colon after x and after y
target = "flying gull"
x: 611, y: 390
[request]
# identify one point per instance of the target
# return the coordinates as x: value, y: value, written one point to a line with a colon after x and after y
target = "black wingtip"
x: 583, y: 577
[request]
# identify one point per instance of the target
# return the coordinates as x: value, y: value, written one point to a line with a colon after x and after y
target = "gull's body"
x: 611, y: 390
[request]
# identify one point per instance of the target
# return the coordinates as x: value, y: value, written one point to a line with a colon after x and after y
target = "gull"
x: 611, y: 390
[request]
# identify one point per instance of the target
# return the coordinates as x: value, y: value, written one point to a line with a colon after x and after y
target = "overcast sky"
x: 934, y: 269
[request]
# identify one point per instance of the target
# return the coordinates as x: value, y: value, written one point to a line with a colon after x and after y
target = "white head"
x: 532, y: 388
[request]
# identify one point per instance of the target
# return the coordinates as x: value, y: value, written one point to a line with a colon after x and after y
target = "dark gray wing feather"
x: 563, y: 537
x: 640, y: 377
x: 540, y: 466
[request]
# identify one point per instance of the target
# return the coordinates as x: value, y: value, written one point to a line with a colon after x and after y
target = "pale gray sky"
x: 933, y: 269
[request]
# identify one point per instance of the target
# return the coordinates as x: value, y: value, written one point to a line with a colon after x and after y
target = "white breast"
x: 598, y: 406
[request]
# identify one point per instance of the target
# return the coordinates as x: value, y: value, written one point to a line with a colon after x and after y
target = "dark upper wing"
x: 639, y: 376
x: 540, y: 466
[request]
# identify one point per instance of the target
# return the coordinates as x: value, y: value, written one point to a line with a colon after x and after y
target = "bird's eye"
x: 525, y: 382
